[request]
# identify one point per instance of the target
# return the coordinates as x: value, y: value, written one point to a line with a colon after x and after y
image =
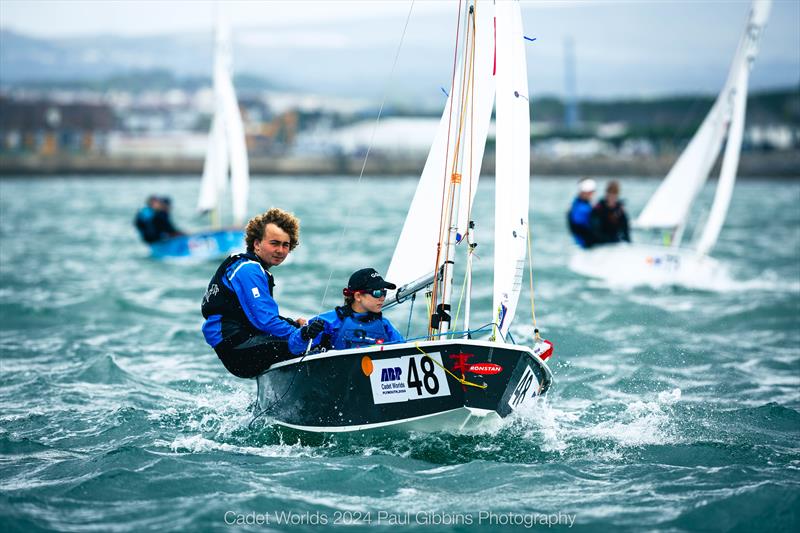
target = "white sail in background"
x: 669, y: 206
x: 226, y: 146
x: 416, y: 250
x: 746, y: 55
x: 512, y: 167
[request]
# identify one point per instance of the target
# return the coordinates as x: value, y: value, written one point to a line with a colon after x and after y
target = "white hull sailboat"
x: 226, y: 161
x: 448, y: 380
x: 668, y: 210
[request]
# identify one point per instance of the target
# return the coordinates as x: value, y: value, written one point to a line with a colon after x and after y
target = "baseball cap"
x: 368, y: 279
x: 587, y: 185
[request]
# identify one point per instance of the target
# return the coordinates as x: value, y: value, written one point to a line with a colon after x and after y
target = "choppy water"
x: 674, y: 409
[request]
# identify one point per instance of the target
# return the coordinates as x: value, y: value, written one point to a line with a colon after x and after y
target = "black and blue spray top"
x: 345, y: 329
x: 579, y: 221
x: 239, y: 300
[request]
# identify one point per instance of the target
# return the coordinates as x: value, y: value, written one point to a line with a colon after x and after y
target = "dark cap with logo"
x: 368, y: 279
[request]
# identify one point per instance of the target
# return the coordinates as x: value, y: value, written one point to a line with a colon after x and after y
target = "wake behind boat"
x: 667, y: 212
x: 448, y: 380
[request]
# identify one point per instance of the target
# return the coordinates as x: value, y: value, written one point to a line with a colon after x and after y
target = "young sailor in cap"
x: 359, y: 321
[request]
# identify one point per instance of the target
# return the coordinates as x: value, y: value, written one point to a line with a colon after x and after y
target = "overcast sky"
x: 636, y: 47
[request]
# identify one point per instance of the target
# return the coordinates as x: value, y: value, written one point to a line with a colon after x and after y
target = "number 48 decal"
x: 520, y: 393
x: 429, y: 379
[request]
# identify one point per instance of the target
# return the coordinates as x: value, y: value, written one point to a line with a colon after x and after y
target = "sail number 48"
x: 429, y: 379
x: 522, y: 389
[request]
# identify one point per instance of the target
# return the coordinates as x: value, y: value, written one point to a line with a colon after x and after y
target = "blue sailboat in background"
x: 226, y: 156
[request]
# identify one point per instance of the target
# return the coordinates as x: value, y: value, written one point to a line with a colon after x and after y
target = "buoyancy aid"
x: 358, y: 330
x: 221, y: 300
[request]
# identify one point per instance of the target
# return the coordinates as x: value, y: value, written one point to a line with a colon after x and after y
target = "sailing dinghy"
x: 226, y: 155
x: 668, y: 210
x: 448, y: 380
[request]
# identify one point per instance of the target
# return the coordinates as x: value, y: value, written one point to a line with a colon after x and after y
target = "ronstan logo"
x: 485, y: 368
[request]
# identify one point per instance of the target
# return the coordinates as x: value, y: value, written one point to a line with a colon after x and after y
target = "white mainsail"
x: 512, y: 167
x: 669, y: 207
x: 746, y: 55
x: 226, y: 142
x: 468, y: 124
x: 500, y: 73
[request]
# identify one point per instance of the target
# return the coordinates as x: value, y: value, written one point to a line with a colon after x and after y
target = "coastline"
x: 752, y: 164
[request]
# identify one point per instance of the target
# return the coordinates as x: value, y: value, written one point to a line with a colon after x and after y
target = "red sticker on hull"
x: 485, y: 368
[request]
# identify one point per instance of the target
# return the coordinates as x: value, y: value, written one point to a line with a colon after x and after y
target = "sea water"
x: 673, y: 408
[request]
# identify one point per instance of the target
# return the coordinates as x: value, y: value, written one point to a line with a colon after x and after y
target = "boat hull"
x: 395, y: 387
x: 635, y: 264
x: 200, y: 246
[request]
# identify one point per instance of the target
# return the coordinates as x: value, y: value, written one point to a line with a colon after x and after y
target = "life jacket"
x: 145, y: 223
x: 220, y: 300
x: 360, y: 330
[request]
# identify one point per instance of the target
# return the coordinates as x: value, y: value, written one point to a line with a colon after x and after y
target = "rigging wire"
x: 348, y: 214
x: 435, y: 287
x: 466, y: 99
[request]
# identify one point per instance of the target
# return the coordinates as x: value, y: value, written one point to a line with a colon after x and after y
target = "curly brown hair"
x: 283, y: 219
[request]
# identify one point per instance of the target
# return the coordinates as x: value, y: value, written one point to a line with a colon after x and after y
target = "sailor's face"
x: 365, y: 301
x: 274, y: 247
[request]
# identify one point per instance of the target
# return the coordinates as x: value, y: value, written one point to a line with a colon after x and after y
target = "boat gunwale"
x: 406, y: 345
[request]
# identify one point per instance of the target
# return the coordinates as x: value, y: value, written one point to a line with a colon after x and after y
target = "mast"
x: 439, y: 212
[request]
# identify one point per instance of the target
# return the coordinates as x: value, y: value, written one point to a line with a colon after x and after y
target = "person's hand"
x: 312, y: 329
x: 301, y: 321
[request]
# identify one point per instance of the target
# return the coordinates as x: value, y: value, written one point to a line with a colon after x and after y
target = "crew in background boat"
x: 608, y: 219
x: 243, y: 323
x: 359, y: 321
x: 580, y: 214
x: 153, y: 220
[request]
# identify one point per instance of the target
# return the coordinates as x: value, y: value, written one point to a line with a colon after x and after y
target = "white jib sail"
x: 512, y: 167
x: 746, y: 55
x: 226, y: 146
x: 415, y: 253
x: 215, y: 167
x: 669, y: 206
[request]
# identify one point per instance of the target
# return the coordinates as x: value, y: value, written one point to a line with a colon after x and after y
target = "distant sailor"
x: 243, y: 323
x: 359, y: 322
x: 153, y: 220
x: 609, y: 220
x: 579, y: 216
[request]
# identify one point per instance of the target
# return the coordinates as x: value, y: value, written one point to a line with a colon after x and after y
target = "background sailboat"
x: 669, y: 208
x: 226, y: 160
x: 446, y: 379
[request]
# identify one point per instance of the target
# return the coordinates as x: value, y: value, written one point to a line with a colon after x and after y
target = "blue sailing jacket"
x: 345, y: 329
x: 579, y: 220
x: 253, y: 308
